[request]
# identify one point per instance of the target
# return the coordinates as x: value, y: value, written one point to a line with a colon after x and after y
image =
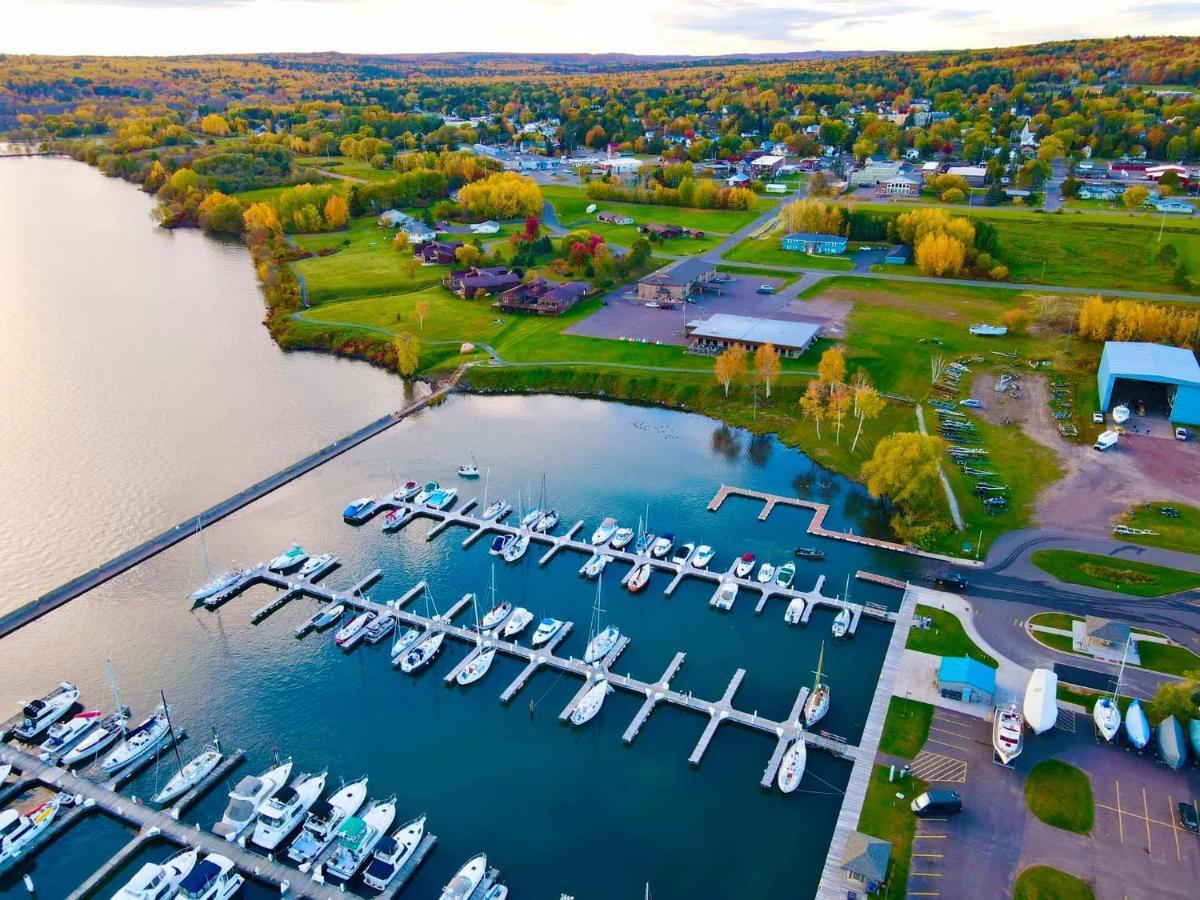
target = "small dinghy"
x: 809, y: 553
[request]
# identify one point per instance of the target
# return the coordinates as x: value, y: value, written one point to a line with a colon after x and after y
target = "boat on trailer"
x: 1137, y: 726
x: 1041, y: 700
x: 1008, y: 733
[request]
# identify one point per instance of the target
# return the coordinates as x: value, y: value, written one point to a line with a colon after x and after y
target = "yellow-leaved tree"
x: 505, y: 195
x: 337, y: 213
x: 940, y: 255
x: 812, y: 404
x: 408, y: 353
x: 215, y: 125
x: 832, y: 367
x: 904, y: 468
x: 767, y: 365
x: 729, y: 365
x: 262, y: 217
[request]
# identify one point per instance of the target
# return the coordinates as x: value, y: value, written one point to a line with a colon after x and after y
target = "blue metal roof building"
x: 1173, y: 367
x: 963, y: 678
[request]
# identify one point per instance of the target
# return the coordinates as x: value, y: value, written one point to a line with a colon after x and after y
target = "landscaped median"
x: 1180, y: 531
x: 1061, y: 795
x: 1155, y: 650
x: 1046, y: 883
x: 945, y: 637
x: 1114, y: 574
x: 906, y: 727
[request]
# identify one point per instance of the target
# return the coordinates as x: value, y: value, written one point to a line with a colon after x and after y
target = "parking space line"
x: 1174, y: 830
x: 961, y: 727
x: 930, y: 855
x: 931, y: 837
x: 1133, y: 815
x: 1146, y: 807
x: 1120, y: 818
x: 945, y: 744
x: 927, y: 874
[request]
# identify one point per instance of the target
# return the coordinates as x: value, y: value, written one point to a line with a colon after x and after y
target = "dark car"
x: 951, y: 580
x: 937, y: 803
x: 1188, y: 818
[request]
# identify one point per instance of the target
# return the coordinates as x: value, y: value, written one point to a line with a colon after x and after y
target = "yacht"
x: 500, y: 543
x: 423, y: 653
x: 517, y: 548
x: 604, y: 532
x: 621, y: 538
x: 638, y: 578
x: 351, y: 633
x: 18, y: 831
x: 216, y: 585
x: 403, y: 643
x: 517, y: 622
x: 744, y: 566
x: 683, y: 554
x: 315, y: 564
x: 38, y: 715
x: 766, y: 573
x: 476, y: 668
x: 159, y: 881
x: 62, y: 736
x: 288, y: 559
x: 546, y: 629
x: 492, y: 510
x: 392, y: 853
x: 594, y: 566
x: 601, y: 645
x: 703, y: 557
x: 785, y: 574
x: 441, y: 499
x: 531, y: 518
x: 795, y: 611
x: 725, y: 595
x: 1120, y: 414
x: 1041, y: 700
x: 1137, y: 727
x: 247, y: 798
x: 467, y: 879
x: 1008, y: 733
x: 589, y: 706
x: 140, y: 742
x: 423, y: 495
x: 281, y: 814
x: 357, y: 839
x: 662, y: 546
x: 327, y: 616
x: 791, y: 767
x: 380, y: 628
x: 321, y: 825
x: 96, y: 740
x: 841, y: 622
x: 358, y: 507
x: 817, y: 703
x: 394, y: 519
x: 191, y: 773
x: 495, y: 615
x: 213, y: 878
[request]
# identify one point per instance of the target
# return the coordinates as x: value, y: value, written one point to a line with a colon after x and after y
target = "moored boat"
x: 1172, y: 747
x: 392, y: 853
x: 725, y: 596
x: 546, y: 629
x: 321, y: 825
x: 596, y: 564
x: 795, y: 611
x: 590, y: 704
x: 1041, y: 701
x: 766, y: 573
x: 841, y: 622
x: 357, y: 838
x: 191, y: 773
x: 39, y: 715
x: 495, y: 615
x: 604, y: 531
x: 315, y: 564
x: 423, y: 653
x: 817, y: 703
x: 744, y: 566
x: 213, y: 878
x: 442, y: 499
x: 601, y: 645
x: 377, y: 630
x: 466, y: 880
x: 1008, y: 733
x: 492, y: 510
x: 476, y: 668
x: 662, y: 546
x: 141, y: 741
x: 407, y: 491
x: 18, y: 831
x: 217, y: 584
x: 403, y: 643
x: 517, y: 548
x: 247, y: 797
x: 703, y: 556
x: 500, y: 543
x: 358, y: 507
x: 785, y: 574
x: 684, y: 553
x: 547, y: 522
x: 351, y: 633
x: 288, y: 559
x: 97, y: 740
x: 517, y: 622
x: 427, y: 490
x: 157, y: 881
x: 791, y: 767
x: 621, y: 538
x: 1137, y: 726
x: 638, y: 578
x: 394, y: 519
x: 326, y: 617
x: 62, y: 736
x: 280, y: 815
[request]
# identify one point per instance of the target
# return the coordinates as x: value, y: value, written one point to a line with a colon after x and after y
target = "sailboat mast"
x: 171, y: 729
x: 1121, y: 671
x: 204, y: 546
x: 820, y: 665
x: 112, y: 680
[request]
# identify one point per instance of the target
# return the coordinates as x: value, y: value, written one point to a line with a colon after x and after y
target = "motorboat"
x: 1120, y: 414
x: 492, y: 510
x: 282, y: 814
x: 247, y: 797
x: 327, y: 616
x: 703, y: 557
x: 517, y: 548
x: 983, y: 330
x: 547, y: 522
x: 621, y: 538
x: 725, y: 595
x: 158, y: 881
x: 97, y: 740
x: 841, y: 622
x: 601, y: 645
x: 194, y: 771
x: 497, y: 892
x: 1172, y: 747
x: 358, y: 508
x: 501, y: 543
x: 531, y: 518
x: 589, y: 706
x: 215, y: 585
x: 744, y: 566
x: 351, y: 633
x: 791, y: 767
x: 407, y: 491
x: 766, y: 573
x: 604, y: 532
x: 213, y: 878
x: 817, y: 703
x: 38, y: 715
x: 468, y: 471
x: 466, y: 880
x: 377, y: 630
x: 441, y: 499
x: 1107, y: 716
x: 1137, y: 726
x: 662, y: 546
x: 141, y: 741
x: 1041, y: 700
x: 288, y: 559
x: 423, y: 653
x: 495, y: 615
x: 594, y: 566
x: 808, y: 553
x: 546, y: 629
x: 638, y: 578
x: 18, y: 831
x: 476, y: 668
x: 1008, y: 733
x: 403, y: 643
x: 683, y: 554
x: 392, y: 853
x: 394, y: 519
x: 62, y: 736
x: 517, y: 622
x: 315, y: 564
x: 795, y: 611
x: 427, y: 491
x: 321, y: 825
x: 357, y: 838
x: 785, y: 574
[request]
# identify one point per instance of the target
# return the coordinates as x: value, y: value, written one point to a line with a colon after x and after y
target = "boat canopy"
x: 202, y: 875
x: 386, y: 846
x: 352, y: 832
x: 1041, y: 700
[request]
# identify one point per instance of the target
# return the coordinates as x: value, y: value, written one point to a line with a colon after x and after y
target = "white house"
x: 488, y: 227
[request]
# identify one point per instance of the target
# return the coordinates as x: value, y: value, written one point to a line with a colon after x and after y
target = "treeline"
x: 698, y: 193
x: 1129, y: 320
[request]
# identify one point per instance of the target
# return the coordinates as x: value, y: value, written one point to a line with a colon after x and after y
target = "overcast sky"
x: 630, y: 26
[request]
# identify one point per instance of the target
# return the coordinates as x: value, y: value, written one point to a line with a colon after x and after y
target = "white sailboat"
x: 478, y: 667
x: 191, y: 773
x: 1107, y: 712
x: 817, y: 703
x: 471, y: 470
x: 791, y: 768
x: 600, y: 641
x: 493, y: 509
x: 841, y: 622
x: 215, y: 583
x: 589, y: 706
x: 517, y: 548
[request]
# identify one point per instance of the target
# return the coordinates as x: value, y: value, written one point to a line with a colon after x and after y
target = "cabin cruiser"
x: 476, y: 668
x: 357, y: 838
x: 547, y: 522
x: 683, y: 554
x: 216, y: 585
x: 248, y: 797
x: 1120, y: 414
x: 495, y: 615
x: 139, y: 742
x: 159, y: 881
x: 1041, y: 700
x: 213, y: 878
x: 638, y: 578
x: 725, y: 595
x: 517, y: 622
x: 662, y: 546
x: 594, y: 566
x: 62, y: 736
x: 1008, y: 733
x: 492, y: 510
x: 423, y: 653
x: 795, y: 611
x: 621, y: 538
x: 350, y: 633
x: 468, y: 471
x: 380, y: 628
x: 1137, y: 727
x: 407, y: 492
x: 517, y: 548
x: 766, y: 573
x: 500, y: 543
x: 391, y: 854
x: 497, y: 892
x: 466, y: 880
x: 546, y: 629
x: 193, y: 772
x: 784, y: 575
x: 96, y: 740
x: 703, y: 557
x: 19, y: 830
x: 809, y: 553
x: 604, y: 532
x: 315, y: 564
x: 394, y: 519
x: 841, y: 622
x: 1107, y: 716
x: 321, y: 825
x: 423, y: 495
x: 441, y: 499
x: 358, y: 507
x: 281, y: 814
x: 791, y: 767
x: 744, y: 566
x: 328, y: 616
x: 288, y: 559
x: 601, y: 645
x: 38, y: 715
x: 589, y: 706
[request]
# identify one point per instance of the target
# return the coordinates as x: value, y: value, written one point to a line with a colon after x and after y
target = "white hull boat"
x: 1137, y: 726
x: 248, y: 797
x: 351, y: 633
x: 213, y: 878
x: 410, y: 490
x: 517, y: 548
x: 423, y: 653
x: 62, y: 736
x: 492, y: 510
x: 547, y: 522
x: 471, y: 471
x: 501, y: 543
x: 766, y: 573
x: 357, y: 839
x: 321, y: 825
x: 596, y: 564
x: 601, y: 645
x: 216, y: 585
x: 795, y: 611
x: 18, y: 831
x: 661, y: 547
x: 816, y: 705
x: 704, y: 555
x: 495, y: 616
x: 531, y: 518
x: 517, y: 622
x: 140, y: 742
x: 621, y: 538
x: 791, y: 767
x: 404, y: 643
x: 442, y: 499
x: 193, y: 772
x: 467, y: 879
x: 841, y: 623
x: 327, y: 617
x: 589, y: 706
x: 725, y: 595
x: 38, y: 715
x: 1008, y: 734
x: 392, y: 853
x: 546, y: 629
x: 1041, y: 701
x: 394, y: 519
x: 380, y: 628
x: 476, y: 668
x: 1107, y: 716
x: 785, y: 574
x: 97, y: 740
x: 315, y: 564
x: 289, y: 559
x: 282, y: 814
x: 358, y: 508
x: 157, y: 881
x: 604, y: 532
x: 638, y: 578
x: 744, y: 566
x: 683, y: 554
x: 423, y: 495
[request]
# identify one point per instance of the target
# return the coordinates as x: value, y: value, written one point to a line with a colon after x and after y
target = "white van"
x: 1106, y: 440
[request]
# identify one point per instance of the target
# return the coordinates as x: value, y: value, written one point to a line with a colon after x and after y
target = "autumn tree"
x: 867, y: 405
x: 408, y: 353
x: 767, y: 365
x: 220, y: 214
x: 156, y: 178
x: 505, y: 195
x: 729, y: 365
x: 1016, y: 320
x: 214, y: 125
x: 832, y: 367
x: 812, y: 215
x: 1180, y: 699
x: 905, y: 468
x: 408, y: 269
x: 940, y: 255
x: 421, y: 308
x: 262, y: 218
x: 812, y: 404
x: 839, y: 407
x: 1135, y: 196
x: 337, y: 213
x: 468, y: 256
x: 400, y: 242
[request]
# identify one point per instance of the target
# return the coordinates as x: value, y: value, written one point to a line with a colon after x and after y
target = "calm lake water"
x: 557, y: 809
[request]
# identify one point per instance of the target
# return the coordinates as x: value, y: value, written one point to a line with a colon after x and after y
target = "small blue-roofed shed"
x: 1174, y: 371
x: 966, y: 679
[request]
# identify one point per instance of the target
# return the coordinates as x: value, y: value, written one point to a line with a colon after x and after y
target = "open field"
x: 570, y: 204
x: 365, y: 265
x: 1113, y: 574
x: 352, y: 168
x: 906, y: 727
x: 1182, y: 533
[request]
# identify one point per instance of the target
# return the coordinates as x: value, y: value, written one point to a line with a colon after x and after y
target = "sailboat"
x: 478, y: 667
x: 493, y: 509
x: 645, y: 537
x: 547, y: 519
x: 532, y: 515
x: 216, y: 583
x: 791, y: 768
x: 426, y: 647
x: 817, y: 703
x: 600, y: 642
x: 1107, y: 713
x: 590, y: 705
x: 469, y: 471
x: 192, y: 772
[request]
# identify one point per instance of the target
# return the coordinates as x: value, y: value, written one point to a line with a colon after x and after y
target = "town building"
x: 481, y: 281
x: 975, y: 176
x: 542, y: 297
x: 1173, y: 205
x: 767, y: 166
x: 899, y: 255
x: 620, y: 165
x: 902, y: 186
x: 815, y: 243
x: 865, y: 861
x: 614, y: 218
x: 966, y: 679
x: 488, y: 227
x: 1164, y: 380
x: 668, y: 232
x: 720, y: 331
x: 437, y: 252
x: 1097, y: 192
x: 675, y: 282
x: 737, y: 180
x: 872, y: 174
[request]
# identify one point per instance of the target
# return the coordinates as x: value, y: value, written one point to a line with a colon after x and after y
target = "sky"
x: 695, y: 27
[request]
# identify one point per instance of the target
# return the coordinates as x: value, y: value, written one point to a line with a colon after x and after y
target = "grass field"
x: 906, y: 727
x: 570, y: 204
x: 349, y: 167
x: 1181, y: 534
x: 368, y: 265
x: 754, y: 272
x: 1046, y: 883
x: 1113, y: 574
x: 1053, y: 620
x: 769, y: 251
x: 945, y: 637
x: 1061, y: 795
x: 1169, y: 659
x: 886, y: 816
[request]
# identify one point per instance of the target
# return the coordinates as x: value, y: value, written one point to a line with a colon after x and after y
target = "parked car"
x: 1188, y: 818
x: 951, y: 580
x: 1181, y: 434
x: 766, y: 289
x: 937, y: 803
x: 653, y: 304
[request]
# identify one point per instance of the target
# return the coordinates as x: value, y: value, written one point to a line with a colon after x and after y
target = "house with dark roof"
x: 678, y: 280
x: 1106, y: 633
x: 542, y: 297
x: 437, y: 252
x: 865, y: 861
x: 482, y: 282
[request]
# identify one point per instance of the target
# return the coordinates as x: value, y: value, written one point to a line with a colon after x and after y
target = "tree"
x: 421, y: 308
x: 505, y: 195
x: 839, y: 407
x: 1179, y: 698
x: 867, y: 405
x: 1016, y: 320
x: 337, y: 213
x: 812, y: 404
x: 221, y: 214
x: 1135, y: 196
x: 940, y: 255
x: 730, y: 364
x: 408, y: 269
x: 766, y: 363
x: 262, y: 218
x: 832, y: 367
x: 468, y: 256
x: 400, y: 242
x: 215, y: 125
x: 408, y: 353
x: 905, y: 467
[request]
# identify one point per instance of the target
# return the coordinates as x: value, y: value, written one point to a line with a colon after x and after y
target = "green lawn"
x: 787, y: 277
x: 886, y: 816
x: 1181, y: 534
x: 769, y: 251
x: 349, y: 167
x: 945, y: 637
x: 1114, y: 574
x: 1045, y: 883
x: 906, y: 727
x: 1061, y: 795
x: 1170, y: 659
x: 1053, y: 620
x: 570, y: 204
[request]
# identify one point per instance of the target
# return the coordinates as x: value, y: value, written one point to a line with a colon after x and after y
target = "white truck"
x: 1106, y: 440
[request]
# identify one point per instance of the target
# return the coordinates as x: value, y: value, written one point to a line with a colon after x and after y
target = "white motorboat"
x: 281, y: 814
x: 38, y: 715
x: 817, y: 703
x: 795, y: 611
x: 62, y: 736
x: 1107, y: 716
x: 621, y: 538
x: 517, y: 622
x: 357, y: 838
x: 517, y: 548
x: 97, y: 740
x: 766, y: 573
x: 495, y: 615
x: 377, y: 630
x: 601, y: 645
x: 288, y: 559
x: 423, y: 653
x: 476, y: 668
x: 394, y: 519
x: 315, y: 564
x: 492, y: 510
x: 351, y: 633
x: 500, y: 543
x: 427, y: 491
x: 403, y: 643
x: 327, y: 616
x: 158, y: 881
x: 704, y: 555
x: 215, y: 585
x: 1120, y: 414
x: 589, y: 706
x: 594, y: 566
x: 531, y: 518
x: 791, y: 767
x: 213, y: 878
x: 546, y: 629
x: 841, y: 622
x: 604, y: 532
x: 1008, y: 733
x: 1041, y: 700
x: 191, y: 773
x: 247, y: 798
x: 638, y: 578
x: 548, y: 522
x: 466, y: 880
x: 497, y: 892
x: 321, y: 825
x: 18, y: 831
x: 744, y: 566
x: 441, y: 499
x: 358, y: 508
x: 407, y: 491
x: 1137, y: 726
x: 141, y: 741
x: 392, y: 853
x: 725, y: 595
x: 683, y: 554
x: 662, y: 546
x: 785, y: 574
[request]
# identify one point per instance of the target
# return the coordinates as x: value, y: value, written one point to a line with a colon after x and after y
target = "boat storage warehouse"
x: 1165, y: 379
x: 714, y: 334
